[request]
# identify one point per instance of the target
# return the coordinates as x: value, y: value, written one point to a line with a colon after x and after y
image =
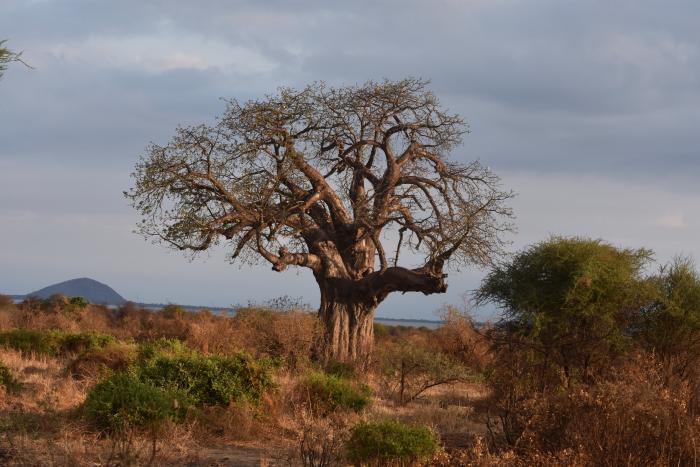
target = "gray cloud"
x: 563, y: 97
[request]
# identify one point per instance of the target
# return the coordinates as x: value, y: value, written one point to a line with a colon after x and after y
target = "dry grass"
x: 41, y: 423
x: 582, y: 425
x: 44, y: 384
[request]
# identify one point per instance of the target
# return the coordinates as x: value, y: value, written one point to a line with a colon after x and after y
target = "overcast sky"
x: 589, y: 110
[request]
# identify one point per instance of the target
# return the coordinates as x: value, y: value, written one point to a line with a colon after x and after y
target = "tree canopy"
x: 354, y: 183
x: 570, y: 300
x: 671, y: 324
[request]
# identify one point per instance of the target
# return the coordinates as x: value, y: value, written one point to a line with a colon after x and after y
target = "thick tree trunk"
x: 348, y: 301
x: 347, y: 333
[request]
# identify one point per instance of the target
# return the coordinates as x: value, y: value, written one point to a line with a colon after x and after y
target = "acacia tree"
x: 348, y: 182
x: 671, y: 323
x: 569, y: 303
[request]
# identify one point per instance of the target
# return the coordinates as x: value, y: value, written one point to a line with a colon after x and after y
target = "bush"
x: 381, y: 331
x: 329, y: 393
x: 123, y: 401
x: 163, y: 347
x: 671, y: 326
x: 77, y: 303
x: 209, y: 380
x: 341, y: 369
x: 388, y: 442
x: 54, y: 342
x: 7, y: 380
x: 173, y: 311
x: 459, y: 338
x: 6, y: 301
x: 115, y: 357
x: 408, y: 370
x: 285, y: 335
x: 84, y: 342
x: 629, y: 418
x: 164, y: 379
x: 321, y: 441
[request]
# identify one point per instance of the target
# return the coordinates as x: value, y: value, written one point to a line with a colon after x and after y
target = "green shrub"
x: 387, y: 442
x: 76, y: 303
x: 53, y: 342
x: 341, y: 369
x: 123, y: 401
x: 165, y: 379
x: 26, y: 340
x: 163, y: 347
x: 7, y: 380
x: 209, y: 380
x: 85, y: 342
x: 331, y: 392
x: 381, y: 331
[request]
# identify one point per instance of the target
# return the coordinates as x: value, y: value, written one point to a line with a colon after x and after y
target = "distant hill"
x: 89, y: 289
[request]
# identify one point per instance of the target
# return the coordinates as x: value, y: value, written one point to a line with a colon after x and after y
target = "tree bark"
x: 347, y: 307
x: 347, y: 321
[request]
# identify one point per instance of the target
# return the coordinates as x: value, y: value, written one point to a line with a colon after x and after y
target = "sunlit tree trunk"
x: 347, y: 327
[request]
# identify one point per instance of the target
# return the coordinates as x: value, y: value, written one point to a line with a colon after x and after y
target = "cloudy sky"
x: 589, y: 110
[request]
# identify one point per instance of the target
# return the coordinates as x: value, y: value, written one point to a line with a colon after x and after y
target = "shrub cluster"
x: 166, y: 380
x: 208, y: 380
x: 390, y: 442
x: 54, y: 342
x: 327, y: 393
x: 263, y: 332
x: 270, y: 333
x: 123, y: 401
x: 7, y: 380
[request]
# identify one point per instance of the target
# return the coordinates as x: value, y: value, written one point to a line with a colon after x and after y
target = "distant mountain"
x: 89, y: 289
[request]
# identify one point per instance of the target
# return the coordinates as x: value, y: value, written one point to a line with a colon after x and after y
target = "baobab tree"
x: 353, y: 183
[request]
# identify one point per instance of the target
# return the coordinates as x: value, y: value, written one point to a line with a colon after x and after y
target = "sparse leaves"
x: 7, y: 56
x: 321, y: 178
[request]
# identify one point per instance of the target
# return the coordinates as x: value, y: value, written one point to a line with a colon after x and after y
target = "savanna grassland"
x: 598, y: 367
x: 87, y: 385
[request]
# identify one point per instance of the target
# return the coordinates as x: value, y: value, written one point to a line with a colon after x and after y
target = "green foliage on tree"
x: 570, y: 302
x: 7, y: 56
x: 671, y: 325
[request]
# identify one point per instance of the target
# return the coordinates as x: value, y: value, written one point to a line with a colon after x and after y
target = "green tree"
x: 671, y: 325
x: 569, y: 303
